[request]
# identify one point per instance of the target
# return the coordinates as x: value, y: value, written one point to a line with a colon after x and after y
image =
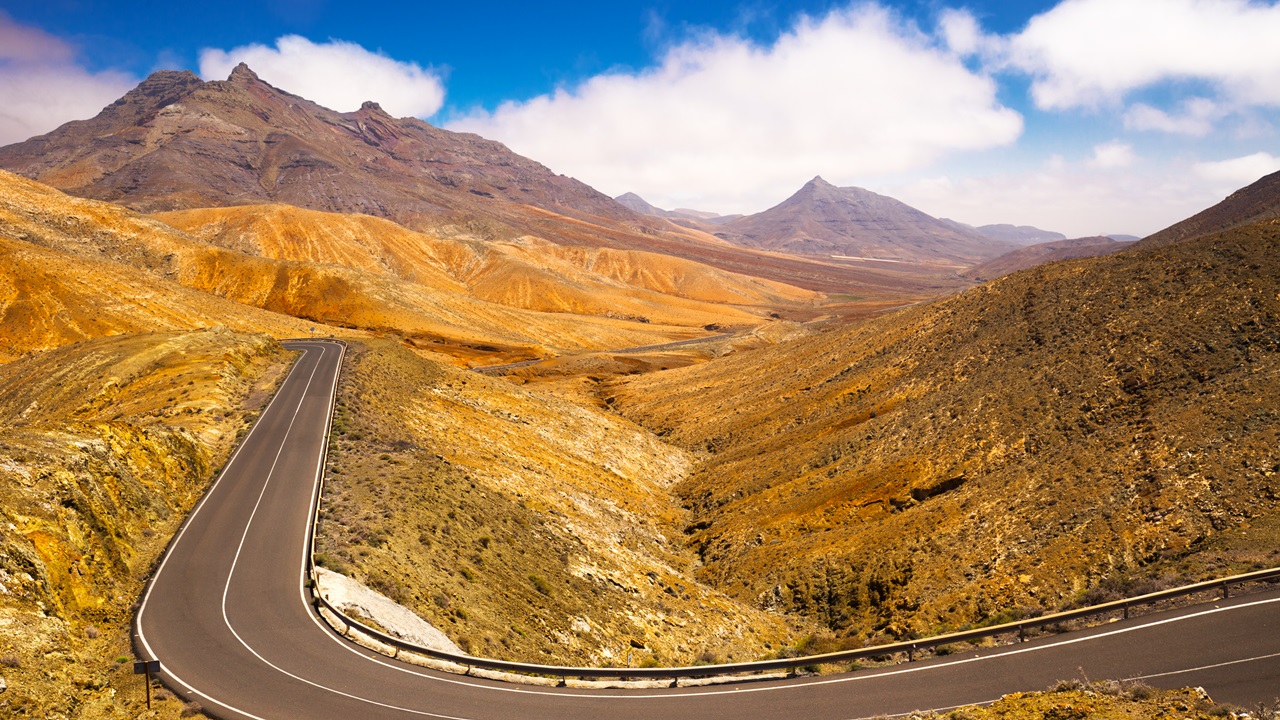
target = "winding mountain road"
x: 227, y: 615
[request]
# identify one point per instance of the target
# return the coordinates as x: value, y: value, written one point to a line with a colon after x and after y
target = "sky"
x: 1083, y: 117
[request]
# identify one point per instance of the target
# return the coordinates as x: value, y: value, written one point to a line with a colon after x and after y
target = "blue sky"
x: 1082, y: 116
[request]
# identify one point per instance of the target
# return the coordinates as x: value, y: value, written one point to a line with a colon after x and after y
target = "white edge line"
x: 142, y: 607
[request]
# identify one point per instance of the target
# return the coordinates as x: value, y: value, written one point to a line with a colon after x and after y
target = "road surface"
x: 227, y: 616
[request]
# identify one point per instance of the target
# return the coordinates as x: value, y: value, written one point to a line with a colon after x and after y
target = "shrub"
x: 540, y: 584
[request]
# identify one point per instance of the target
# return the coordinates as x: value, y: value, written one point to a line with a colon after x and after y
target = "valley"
x: 574, y: 430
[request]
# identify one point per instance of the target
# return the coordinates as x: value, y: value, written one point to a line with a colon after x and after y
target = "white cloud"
x: 1083, y: 53
x: 1196, y: 119
x: 338, y: 75
x: 42, y: 85
x: 1112, y: 155
x: 724, y: 124
x: 961, y: 31
x: 1069, y: 197
x: 1239, y: 171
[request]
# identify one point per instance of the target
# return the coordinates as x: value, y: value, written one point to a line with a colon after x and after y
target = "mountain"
x: 1254, y: 203
x: 822, y: 219
x: 176, y: 142
x: 634, y: 202
x: 84, y: 268
x: 1019, y: 234
x: 1056, y: 436
x: 1033, y: 255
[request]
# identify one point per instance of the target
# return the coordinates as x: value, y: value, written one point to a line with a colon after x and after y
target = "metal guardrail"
x: 909, y: 647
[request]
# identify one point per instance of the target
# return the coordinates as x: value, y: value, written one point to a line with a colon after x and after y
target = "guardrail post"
x: 1022, y: 633
x: 1126, y: 611
x: 911, y: 653
x: 1226, y: 591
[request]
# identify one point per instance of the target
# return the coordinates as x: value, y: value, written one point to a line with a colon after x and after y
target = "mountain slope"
x: 176, y: 142
x: 82, y: 268
x: 1041, y: 253
x: 1065, y: 430
x: 822, y: 219
x: 1251, y: 204
x: 576, y: 279
x: 104, y: 447
x: 72, y: 270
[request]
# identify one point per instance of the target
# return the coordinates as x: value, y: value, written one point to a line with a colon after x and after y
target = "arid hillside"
x: 1053, y: 436
x: 524, y: 526
x: 524, y: 272
x: 72, y: 269
x: 1254, y: 203
x: 82, y: 268
x: 175, y: 142
x: 104, y: 447
x: 1046, y: 252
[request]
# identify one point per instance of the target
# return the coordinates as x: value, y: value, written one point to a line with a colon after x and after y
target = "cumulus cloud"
x: 1196, y: 119
x: 1112, y: 155
x: 1069, y: 196
x: 1084, y: 53
x: 725, y: 124
x: 43, y: 86
x: 337, y: 74
x: 1238, y: 171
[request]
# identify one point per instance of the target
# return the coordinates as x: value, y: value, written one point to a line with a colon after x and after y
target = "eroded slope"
x: 104, y: 447
x: 1050, y: 437
x: 523, y: 526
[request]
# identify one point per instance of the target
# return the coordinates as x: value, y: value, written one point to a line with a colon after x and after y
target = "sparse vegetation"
x: 1055, y: 438
x: 116, y: 466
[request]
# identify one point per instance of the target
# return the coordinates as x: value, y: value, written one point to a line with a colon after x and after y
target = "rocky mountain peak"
x: 241, y: 73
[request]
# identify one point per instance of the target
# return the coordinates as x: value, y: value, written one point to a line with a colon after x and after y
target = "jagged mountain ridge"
x: 822, y: 219
x: 177, y: 142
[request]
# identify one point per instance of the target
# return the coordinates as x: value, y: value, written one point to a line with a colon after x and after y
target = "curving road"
x: 226, y: 615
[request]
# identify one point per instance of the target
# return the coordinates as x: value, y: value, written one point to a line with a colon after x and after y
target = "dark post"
x: 147, y: 667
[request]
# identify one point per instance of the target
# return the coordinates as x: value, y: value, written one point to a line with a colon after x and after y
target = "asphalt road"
x: 227, y: 617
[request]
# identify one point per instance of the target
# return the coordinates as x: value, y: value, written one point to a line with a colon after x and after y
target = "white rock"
x: 356, y: 600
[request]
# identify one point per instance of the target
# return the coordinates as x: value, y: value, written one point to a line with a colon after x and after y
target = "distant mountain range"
x: 176, y: 142
x: 638, y: 204
x: 822, y: 219
x: 1040, y: 253
x: 1018, y: 234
